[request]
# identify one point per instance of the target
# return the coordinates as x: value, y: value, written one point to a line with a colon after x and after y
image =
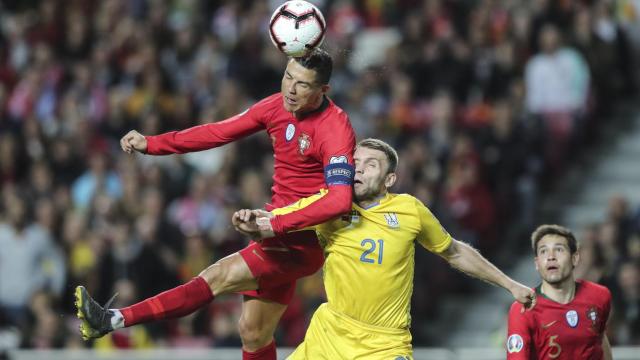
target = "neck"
x: 561, y: 293
x: 365, y: 203
x: 316, y: 106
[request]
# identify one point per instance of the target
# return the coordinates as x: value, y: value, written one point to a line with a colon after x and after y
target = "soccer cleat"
x: 95, y: 319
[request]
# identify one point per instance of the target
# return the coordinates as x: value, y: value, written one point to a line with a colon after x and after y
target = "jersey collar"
x: 381, y: 200
x: 318, y: 110
x: 540, y: 293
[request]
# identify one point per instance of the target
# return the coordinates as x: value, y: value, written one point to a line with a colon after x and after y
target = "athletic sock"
x: 177, y: 302
x: 266, y: 353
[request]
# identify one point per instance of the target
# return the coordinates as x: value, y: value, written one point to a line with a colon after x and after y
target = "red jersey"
x: 312, y: 152
x: 560, y: 331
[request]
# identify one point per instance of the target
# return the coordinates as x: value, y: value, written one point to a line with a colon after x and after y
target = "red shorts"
x: 278, y: 262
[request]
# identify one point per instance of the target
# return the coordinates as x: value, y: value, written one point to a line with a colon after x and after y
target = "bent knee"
x: 254, y: 335
x: 228, y: 275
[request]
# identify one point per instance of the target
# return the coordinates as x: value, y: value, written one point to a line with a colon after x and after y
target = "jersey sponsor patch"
x: 291, y: 130
x: 514, y: 343
x: 572, y: 318
x: 338, y: 159
x: 339, y: 174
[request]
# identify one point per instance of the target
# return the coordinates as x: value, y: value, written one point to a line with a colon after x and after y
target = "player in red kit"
x: 570, y: 317
x: 313, y: 144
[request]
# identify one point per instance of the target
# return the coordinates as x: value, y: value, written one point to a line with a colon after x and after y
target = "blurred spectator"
x: 97, y: 178
x: 479, y: 97
x: 557, y: 83
x: 29, y: 260
x: 627, y: 304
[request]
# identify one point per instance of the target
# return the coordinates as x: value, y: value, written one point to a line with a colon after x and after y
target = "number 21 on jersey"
x: 370, y: 247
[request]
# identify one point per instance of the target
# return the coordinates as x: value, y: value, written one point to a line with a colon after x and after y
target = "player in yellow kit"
x: 369, y: 265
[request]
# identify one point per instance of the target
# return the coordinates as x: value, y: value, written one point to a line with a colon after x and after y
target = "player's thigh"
x: 283, y: 259
x: 229, y: 274
x: 259, y: 319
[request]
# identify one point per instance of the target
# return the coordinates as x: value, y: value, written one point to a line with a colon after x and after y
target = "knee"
x: 218, y: 276
x: 229, y: 275
x: 253, y: 335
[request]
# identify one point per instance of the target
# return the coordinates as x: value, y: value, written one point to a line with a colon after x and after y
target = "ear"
x: 389, y: 180
x: 535, y: 262
x: 575, y: 259
x: 325, y: 88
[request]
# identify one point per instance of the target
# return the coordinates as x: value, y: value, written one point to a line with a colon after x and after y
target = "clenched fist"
x: 133, y: 141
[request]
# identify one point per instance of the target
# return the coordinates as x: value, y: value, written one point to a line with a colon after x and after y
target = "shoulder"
x: 336, y: 117
x: 406, y: 199
x: 411, y: 202
x: 517, y: 312
x: 269, y: 103
x: 592, y: 289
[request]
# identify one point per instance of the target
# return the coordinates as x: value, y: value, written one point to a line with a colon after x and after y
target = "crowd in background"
x: 486, y: 101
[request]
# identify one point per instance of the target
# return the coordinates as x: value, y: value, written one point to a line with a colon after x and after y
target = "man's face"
x: 554, y: 260
x: 371, y: 172
x: 300, y: 90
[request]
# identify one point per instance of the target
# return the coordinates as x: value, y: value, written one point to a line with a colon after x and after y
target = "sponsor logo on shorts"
x: 514, y: 343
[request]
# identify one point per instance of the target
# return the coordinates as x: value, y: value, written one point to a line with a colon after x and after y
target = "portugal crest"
x: 592, y: 314
x: 304, y: 141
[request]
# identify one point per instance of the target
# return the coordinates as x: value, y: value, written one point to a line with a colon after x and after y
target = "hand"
x: 133, y: 141
x: 253, y: 223
x: 244, y: 222
x: 523, y: 295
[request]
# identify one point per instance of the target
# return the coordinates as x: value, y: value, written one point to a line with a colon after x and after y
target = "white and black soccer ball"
x: 297, y: 27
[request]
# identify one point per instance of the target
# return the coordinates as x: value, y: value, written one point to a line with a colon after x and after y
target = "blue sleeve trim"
x: 339, y: 174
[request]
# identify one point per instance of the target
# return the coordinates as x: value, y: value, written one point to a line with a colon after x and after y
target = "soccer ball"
x: 297, y: 27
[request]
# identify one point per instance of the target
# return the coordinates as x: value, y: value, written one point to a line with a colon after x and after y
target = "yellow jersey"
x: 369, y: 265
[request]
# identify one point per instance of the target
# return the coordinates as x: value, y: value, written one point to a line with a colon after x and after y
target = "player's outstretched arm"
x: 133, y: 141
x: 200, y: 137
x: 606, y: 348
x: 466, y: 259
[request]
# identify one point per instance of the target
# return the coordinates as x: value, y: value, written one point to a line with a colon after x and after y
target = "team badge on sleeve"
x: 514, y: 343
x: 338, y: 159
x: 572, y: 318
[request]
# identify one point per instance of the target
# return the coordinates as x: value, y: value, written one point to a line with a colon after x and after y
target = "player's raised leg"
x: 230, y: 274
x: 257, y: 325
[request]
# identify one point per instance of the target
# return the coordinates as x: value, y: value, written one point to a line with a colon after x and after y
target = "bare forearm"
x: 606, y: 348
x: 463, y: 257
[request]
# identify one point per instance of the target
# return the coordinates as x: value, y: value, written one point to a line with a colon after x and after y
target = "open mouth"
x: 552, y: 268
x: 357, y: 182
x: 289, y: 100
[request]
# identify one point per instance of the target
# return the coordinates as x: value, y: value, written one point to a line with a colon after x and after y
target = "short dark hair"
x: 321, y: 62
x: 552, y: 229
x: 388, y: 150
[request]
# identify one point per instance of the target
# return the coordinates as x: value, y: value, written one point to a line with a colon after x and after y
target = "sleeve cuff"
x: 150, y: 145
x: 276, y: 225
